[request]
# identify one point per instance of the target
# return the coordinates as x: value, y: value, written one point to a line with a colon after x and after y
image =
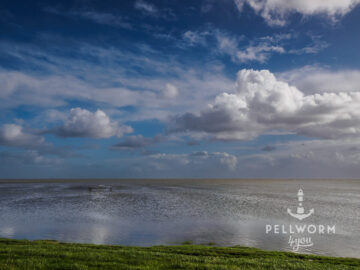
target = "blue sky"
x: 172, y: 89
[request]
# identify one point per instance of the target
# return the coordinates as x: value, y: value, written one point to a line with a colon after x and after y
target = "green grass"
x: 23, y: 254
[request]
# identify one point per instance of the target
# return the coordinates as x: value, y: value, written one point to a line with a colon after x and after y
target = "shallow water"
x: 153, y: 212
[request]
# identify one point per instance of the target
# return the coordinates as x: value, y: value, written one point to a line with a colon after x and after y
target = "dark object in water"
x: 100, y: 188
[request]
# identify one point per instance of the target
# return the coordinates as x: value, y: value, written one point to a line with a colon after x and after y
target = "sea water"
x: 169, y: 212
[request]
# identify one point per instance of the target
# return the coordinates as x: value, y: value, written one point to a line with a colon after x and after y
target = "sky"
x: 180, y: 89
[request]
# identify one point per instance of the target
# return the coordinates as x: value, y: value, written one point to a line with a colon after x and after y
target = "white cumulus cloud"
x: 83, y: 123
x: 261, y: 103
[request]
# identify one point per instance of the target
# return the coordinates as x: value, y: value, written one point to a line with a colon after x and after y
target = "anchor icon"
x: 300, y: 215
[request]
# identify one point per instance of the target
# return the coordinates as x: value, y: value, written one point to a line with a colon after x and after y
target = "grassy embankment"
x: 16, y: 254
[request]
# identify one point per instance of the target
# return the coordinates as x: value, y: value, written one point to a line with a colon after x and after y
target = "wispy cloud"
x: 242, y: 50
x: 106, y: 18
x: 150, y: 9
x: 110, y: 78
x: 195, y: 38
x: 316, y: 45
x: 146, y: 7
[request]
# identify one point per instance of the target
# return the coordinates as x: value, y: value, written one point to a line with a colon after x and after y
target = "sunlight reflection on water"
x: 151, y: 213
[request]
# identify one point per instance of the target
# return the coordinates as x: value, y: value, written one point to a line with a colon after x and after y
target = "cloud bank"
x: 201, y: 160
x: 261, y: 103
